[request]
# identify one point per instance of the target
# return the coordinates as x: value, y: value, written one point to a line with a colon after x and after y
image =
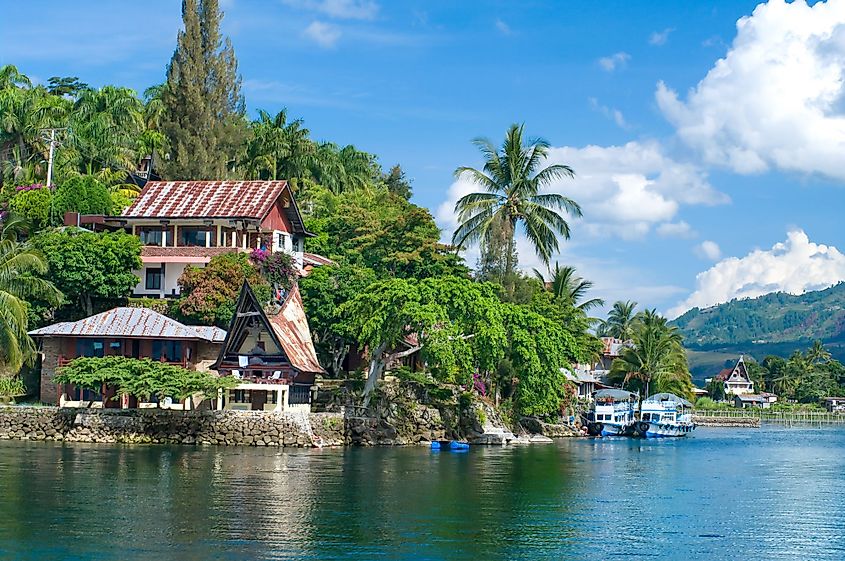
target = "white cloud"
x: 708, y: 250
x: 623, y: 190
x: 659, y: 38
x: 339, y: 9
x: 776, y: 99
x: 794, y: 266
x: 324, y: 34
x: 614, y: 115
x: 503, y: 27
x: 675, y: 230
x: 614, y: 61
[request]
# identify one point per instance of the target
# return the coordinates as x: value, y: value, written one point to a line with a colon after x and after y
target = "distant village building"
x: 129, y: 332
x: 751, y: 400
x: 736, y: 380
x: 584, y: 381
x: 834, y: 404
x: 271, y: 351
x: 182, y: 223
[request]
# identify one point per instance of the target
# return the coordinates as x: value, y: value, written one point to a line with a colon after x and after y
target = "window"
x: 192, y: 237
x: 153, y: 281
x: 89, y: 347
x: 168, y: 351
x: 151, y: 236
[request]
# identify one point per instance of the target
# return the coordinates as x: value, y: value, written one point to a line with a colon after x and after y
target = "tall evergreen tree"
x: 203, y: 106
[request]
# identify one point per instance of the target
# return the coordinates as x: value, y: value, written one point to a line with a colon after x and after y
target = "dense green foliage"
x: 209, y: 294
x: 773, y: 318
x: 655, y: 362
x: 147, y: 379
x: 92, y: 270
x: 20, y: 265
x: 84, y: 195
x: 202, y: 104
x: 32, y: 203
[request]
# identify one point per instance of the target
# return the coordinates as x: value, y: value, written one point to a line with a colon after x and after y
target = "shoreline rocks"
x: 738, y: 422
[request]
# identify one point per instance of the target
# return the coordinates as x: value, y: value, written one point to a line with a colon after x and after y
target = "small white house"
x: 736, y: 379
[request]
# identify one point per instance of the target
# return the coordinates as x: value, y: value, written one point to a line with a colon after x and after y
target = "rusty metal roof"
x: 130, y: 322
x: 206, y: 199
x: 291, y: 327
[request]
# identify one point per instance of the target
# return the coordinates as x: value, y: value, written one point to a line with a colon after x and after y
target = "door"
x: 258, y: 398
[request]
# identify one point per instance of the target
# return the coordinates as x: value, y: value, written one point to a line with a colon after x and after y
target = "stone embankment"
x: 740, y: 422
x: 152, y: 426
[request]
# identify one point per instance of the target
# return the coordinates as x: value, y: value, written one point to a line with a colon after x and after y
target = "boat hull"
x: 663, y: 430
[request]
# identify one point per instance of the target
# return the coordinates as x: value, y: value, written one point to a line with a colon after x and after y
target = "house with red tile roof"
x: 182, y: 223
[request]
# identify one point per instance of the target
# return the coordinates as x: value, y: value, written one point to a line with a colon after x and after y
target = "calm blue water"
x: 721, y: 494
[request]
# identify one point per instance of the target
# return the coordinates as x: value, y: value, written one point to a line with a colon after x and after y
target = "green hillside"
x: 776, y: 323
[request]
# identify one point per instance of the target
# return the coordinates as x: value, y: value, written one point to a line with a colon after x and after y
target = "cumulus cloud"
x: 624, y: 191
x: 708, y: 250
x: 614, y: 61
x: 324, y: 34
x: 776, y: 99
x: 794, y: 266
x: 659, y: 38
x: 339, y: 9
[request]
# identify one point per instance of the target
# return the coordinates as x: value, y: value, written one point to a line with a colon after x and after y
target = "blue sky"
x: 700, y: 180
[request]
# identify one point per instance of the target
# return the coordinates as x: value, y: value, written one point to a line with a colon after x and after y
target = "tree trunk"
x: 374, y: 372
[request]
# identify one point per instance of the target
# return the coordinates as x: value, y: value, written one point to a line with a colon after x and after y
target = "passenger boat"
x: 665, y: 414
x: 613, y: 413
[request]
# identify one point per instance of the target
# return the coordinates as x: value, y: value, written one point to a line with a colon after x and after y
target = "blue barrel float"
x: 451, y: 445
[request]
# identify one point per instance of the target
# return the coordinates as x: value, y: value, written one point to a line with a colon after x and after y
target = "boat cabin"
x: 270, y: 350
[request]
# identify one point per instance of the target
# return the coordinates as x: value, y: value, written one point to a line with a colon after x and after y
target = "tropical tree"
x: 278, y: 148
x: 24, y: 114
x: 19, y: 266
x: 512, y: 180
x: 656, y: 357
x: 11, y: 77
x: 343, y: 169
x: 620, y: 321
x: 568, y: 287
x: 817, y: 354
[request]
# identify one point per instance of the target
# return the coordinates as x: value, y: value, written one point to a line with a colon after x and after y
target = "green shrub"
x: 11, y: 387
x: 84, y: 195
x: 33, y: 203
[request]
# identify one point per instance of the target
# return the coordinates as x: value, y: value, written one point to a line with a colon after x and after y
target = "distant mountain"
x: 776, y: 323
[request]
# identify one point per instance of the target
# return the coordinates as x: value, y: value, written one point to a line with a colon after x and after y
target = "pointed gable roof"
x: 288, y: 328
x: 130, y: 322
x: 739, y: 370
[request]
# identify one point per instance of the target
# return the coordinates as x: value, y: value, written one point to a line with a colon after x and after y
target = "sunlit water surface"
x: 721, y: 494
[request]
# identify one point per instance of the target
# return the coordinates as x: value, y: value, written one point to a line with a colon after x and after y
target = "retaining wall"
x: 245, y: 428
x: 745, y: 422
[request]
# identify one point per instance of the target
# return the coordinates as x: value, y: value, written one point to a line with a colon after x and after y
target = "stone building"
x: 129, y: 332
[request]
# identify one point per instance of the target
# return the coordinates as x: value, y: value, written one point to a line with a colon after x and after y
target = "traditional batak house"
x: 736, y: 379
x: 271, y: 351
x: 129, y: 332
x: 183, y: 223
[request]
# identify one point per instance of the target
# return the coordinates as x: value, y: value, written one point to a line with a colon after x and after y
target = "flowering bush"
x: 279, y: 269
x: 33, y: 187
x: 259, y: 255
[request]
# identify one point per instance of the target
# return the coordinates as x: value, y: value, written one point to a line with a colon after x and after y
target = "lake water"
x: 721, y: 494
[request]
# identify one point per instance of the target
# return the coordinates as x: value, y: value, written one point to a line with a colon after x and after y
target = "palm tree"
x: 279, y: 148
x: 11, y: 77
x: 569, y: 287
x: 512, y: 181
x: 656, y: 356
x: 24, y: 114
x: 104, y: 129
x: 19, y: 265
x: 817, y: 354
x: 620, y: 321
x: 342, y: 169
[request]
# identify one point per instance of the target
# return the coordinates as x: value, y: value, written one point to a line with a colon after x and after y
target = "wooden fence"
x: 818, y: 418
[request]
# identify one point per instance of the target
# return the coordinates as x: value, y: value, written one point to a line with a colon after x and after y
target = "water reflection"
x: 723, y: 494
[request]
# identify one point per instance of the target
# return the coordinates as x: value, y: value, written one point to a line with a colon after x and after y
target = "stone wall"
x: 246, y: 428
x: 50, y: 351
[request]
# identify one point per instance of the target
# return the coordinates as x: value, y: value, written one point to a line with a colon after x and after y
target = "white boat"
x: 613, y: 413
x: 665, y: 414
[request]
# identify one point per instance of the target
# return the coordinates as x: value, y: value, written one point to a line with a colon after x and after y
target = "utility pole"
x: 53, y: 145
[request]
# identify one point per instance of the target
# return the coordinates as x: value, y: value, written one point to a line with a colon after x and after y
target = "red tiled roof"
x: 724, y: 374
x: 315, y: 259
x: 206, y: 199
